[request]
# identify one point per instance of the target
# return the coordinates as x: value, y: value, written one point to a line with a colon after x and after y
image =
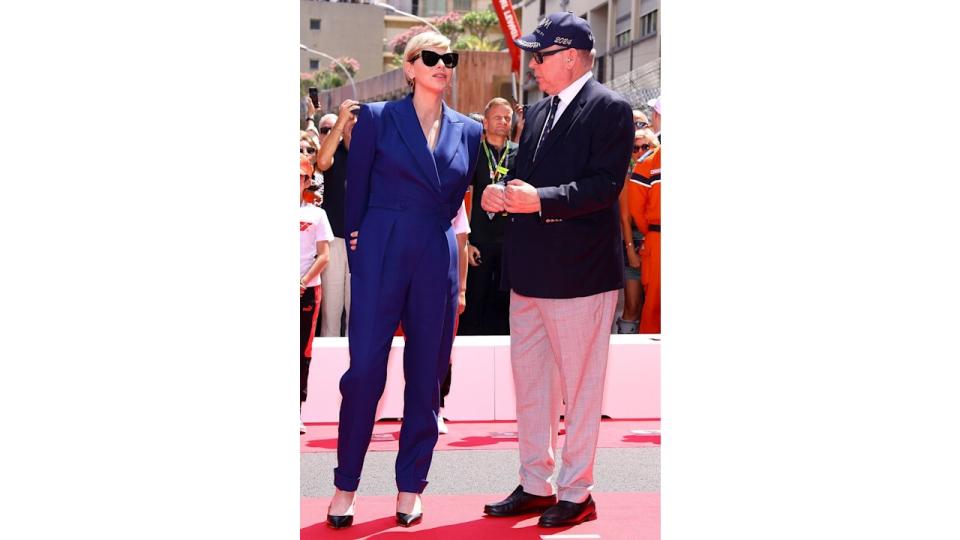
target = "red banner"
x: 510, y: 28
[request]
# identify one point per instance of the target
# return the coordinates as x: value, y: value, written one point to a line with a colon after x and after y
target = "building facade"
x: 363, y: 31
x: 626, y: 35
x: 342, y: 29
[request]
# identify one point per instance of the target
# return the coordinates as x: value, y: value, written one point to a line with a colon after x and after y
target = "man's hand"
x: 473, y: 255
x: 461, y: 302
x: 520, y: 198
x: 353, y: 242
x: 492, y: 199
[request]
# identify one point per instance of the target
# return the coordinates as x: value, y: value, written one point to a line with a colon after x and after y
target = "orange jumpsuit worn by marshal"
x: 643, y: 196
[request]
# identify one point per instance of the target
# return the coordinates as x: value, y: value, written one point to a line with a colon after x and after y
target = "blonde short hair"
x: 421, y: 41
x: 497, y: 102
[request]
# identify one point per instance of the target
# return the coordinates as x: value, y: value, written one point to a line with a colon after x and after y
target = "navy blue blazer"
x: 390, y: 166
x: 574, y: 247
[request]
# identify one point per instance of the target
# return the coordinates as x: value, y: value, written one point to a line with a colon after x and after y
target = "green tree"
x: 331, y: 77
x: 475, y: 43
x: 479, y: 23
x: 449, y: 25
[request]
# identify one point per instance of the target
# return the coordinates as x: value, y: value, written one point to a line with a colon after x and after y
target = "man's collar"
x: 491, y: 145
x: 571, y: 91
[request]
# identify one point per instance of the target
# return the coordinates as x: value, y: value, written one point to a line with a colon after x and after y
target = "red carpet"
x: 620, y: 516
x: 481, y: 435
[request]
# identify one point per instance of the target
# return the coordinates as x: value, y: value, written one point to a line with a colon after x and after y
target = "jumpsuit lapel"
x: 451, y: 131
x: 409, y: 126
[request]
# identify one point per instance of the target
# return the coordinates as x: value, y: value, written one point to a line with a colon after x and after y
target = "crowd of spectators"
x: 325, y: 141
x: 484, y: 307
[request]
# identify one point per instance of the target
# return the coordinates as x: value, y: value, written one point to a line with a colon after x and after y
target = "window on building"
x: 314, y: 24
x: 648, y: 24
x: 461, y: 5
x: 433, y: 8
x: 314, y: 65
x: 623, y: 23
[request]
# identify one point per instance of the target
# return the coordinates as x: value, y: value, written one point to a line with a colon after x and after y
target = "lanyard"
x: 496, y: 171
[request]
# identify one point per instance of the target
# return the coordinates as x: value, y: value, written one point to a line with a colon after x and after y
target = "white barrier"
x: 482, y: 380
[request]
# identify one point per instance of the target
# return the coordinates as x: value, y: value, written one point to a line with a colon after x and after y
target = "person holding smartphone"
x: 408, y: 169
x: 332, y: 161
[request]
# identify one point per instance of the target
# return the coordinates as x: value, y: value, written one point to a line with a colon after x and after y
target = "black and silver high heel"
x: 406, y: 520
x: 346, y: 520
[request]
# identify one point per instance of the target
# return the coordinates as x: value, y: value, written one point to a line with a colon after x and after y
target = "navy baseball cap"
x: 563, y: 28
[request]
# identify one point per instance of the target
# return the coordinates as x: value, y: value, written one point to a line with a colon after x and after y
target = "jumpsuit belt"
x: 440, y: 211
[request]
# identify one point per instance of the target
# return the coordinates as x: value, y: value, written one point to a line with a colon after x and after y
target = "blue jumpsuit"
x: 401, y: 198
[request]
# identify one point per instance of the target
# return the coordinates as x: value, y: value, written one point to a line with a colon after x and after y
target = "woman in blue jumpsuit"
x: 408, y: 169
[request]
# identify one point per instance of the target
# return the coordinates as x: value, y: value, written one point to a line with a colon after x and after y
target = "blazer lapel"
x: 561, y: 124
x: 530, y: 141
x: 451, y: 130
x: 409, y: 126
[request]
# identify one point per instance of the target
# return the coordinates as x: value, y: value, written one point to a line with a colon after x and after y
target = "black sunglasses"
x: 307, y: 150
x: 641, y: 125
x: 431, y: 58
x: 639, y: 148
x: 324, y: 130
x: 539, y: 56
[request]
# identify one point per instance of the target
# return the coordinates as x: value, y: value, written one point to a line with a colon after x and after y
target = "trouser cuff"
x: 411, y: 486
x: 345, y: 483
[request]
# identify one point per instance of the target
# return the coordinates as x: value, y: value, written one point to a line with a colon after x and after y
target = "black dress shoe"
x: 520, y: 502
x: 566, y: 513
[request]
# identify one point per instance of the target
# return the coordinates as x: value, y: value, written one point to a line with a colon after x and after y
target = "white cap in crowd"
x: 654, y: 104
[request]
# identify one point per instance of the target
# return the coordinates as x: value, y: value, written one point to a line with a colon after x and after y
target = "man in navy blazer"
x: 563, y: 264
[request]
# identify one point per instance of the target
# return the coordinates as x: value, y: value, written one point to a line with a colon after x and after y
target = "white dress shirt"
x: 566, y: 97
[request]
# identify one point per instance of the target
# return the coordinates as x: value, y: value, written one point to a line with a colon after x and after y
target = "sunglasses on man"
x: 539, y: 56
x: 324, y: 130
x: 307, y: 150
x: 431, y: 58
x: 640, y: 125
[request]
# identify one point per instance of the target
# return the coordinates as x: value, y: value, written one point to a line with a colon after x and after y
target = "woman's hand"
x: 473, y: 255
x: 633, y: 258
x: 353, y: 243
x: 461, y: 302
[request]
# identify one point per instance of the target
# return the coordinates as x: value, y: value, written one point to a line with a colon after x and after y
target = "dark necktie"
x: 554, y: 103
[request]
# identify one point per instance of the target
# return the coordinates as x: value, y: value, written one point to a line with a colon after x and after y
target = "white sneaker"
x: 441, y: 426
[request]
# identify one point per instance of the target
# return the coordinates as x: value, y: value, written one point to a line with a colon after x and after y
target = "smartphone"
x: 314, y: 97
x: 514, y: 103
